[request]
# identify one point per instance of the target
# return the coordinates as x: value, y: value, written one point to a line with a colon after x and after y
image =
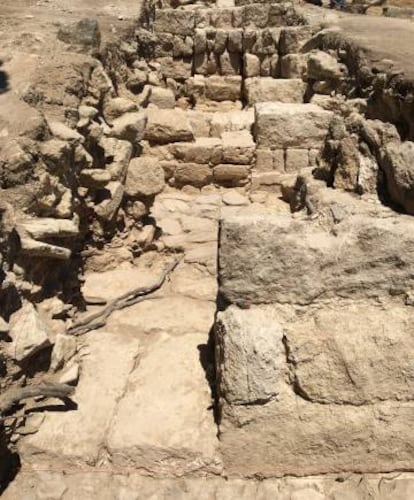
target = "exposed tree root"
x: 98, y: 320
x: 49, y: 390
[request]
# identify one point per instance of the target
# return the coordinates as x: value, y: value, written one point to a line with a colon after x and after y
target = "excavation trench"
x: 224, y: 188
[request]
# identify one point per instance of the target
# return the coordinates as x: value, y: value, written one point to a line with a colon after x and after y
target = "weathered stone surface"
x: 76, y: 437
x: 193, y: 174
x: 251, y: 65
x: 281, y: 125
x: 250, y: 356
x: 166, y: 434
x: 129, y: 127
x: 232, y: 121
x: 29, y: 333
x: 223, y: 88
x: 108, y: 208
x: 175, y: 21
x: 238, y: 147
x: 296, y: 159
x: 162, y: 98
x: 145, y: 177
x: 94, y: 177
x: 398, y: 165
x: 323, y: 66
x: 293, y: 66
x: 296, y: 262
x: 116, y: 107
x: 293, y: 39
x: 234, y: 175
x: 339, y: 362
x: 166, y: 126
x: 267, y: 89
x: 205, y: 150
x: 46, y: 227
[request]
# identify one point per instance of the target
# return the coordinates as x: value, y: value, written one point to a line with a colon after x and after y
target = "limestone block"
x: 268, y: 89
x: 175, y: 21
x: 297, y: 262
x: 250, y: 356
x: 398, y: 167
x: 230, y: 63
x: 165, y: 45
x: 220, y: 41
x: 129, y: 127
x: 29, y: 333
x: 94, y: 177
x: 282, y: 125
x: 249, y: 39
x: 202, y: 18
x: 200, y: 123
x: 269, y: 65
x: 323, y: 66
x: 234, y: 175
x: 117, y: 155
x: 264, y: 160
x: 296, y: 159
x: 251, y: 65
x: 222, y: 18
x: 231, y: 121
x: 256, y: 15
x: 193, y: 174
x: 145, y: 177
x: 208, y: 150
x: 266, y: 42
x: 116, y: 107
x: 350, y: 343
x: 223, y: 88
x: 235, y: 41
x: 267, y: 181
x: 166, y: 126
x: 63, y: 350
x: 177, y: 69
x: 108, y: 208
x: 47, y: 227
x: 268, y: 160
x: 238, y: 147
x: 162, y: 97
x: 200, y: 41
x: 293, y: 38
x: 293, y: 66
x: 182, y: 46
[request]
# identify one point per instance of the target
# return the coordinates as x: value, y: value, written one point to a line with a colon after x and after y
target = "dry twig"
x: 98, y: 319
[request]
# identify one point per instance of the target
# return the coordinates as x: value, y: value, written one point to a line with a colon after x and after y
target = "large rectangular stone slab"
x: 267, y: 89
x: 282, y: 125
x: 162, y: 423
x: 265, y: 259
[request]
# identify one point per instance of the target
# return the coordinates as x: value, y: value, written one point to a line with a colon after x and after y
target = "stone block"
x: 205, y: 150
x: 166, y: 126
x: 220, y: 41
x: 296, y: 159
x: 282, y: 125
x: 200, y: 41
x: 256, y: 15
x: 145, y: 177
x: 164, y: 46
x: 223, y: 88
x: 182, y: 46
x: 177, y: 69
x: 267, y: 89
x: 162, y: 97
x: 269, y: 66
x: 267, y: 181
x: 235, y: 41
x: 193, y: 174
x: 231, y: 121
x: 231, y: 175
x: 238, y: 147
x: 300, y: 263
x: 293, y: 66
x: 251, y: 65
x: 264, y: 160
x: 230, y: 63
x: 175, y: 21
x: 250, y: 357
x: 294, y: 38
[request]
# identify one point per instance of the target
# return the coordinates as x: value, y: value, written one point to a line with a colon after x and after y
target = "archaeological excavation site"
x: 206, y: 251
